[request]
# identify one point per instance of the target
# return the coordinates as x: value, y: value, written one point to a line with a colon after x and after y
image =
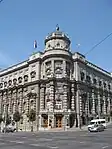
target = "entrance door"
x: 45, y: 122
x: 58, y: 121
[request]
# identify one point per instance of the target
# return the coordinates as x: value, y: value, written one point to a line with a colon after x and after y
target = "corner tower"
x: 57, y: 40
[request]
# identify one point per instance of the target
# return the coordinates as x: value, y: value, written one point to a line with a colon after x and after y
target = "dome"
x: 57, y: 35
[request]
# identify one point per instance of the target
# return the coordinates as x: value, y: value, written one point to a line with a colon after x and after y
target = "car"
x: 96, y: 128
x: 8, y: 129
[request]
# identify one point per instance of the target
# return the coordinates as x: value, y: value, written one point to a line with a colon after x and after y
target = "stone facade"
x: 63, y: 88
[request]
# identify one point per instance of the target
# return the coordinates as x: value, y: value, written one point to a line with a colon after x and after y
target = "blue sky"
x: 85, y: 21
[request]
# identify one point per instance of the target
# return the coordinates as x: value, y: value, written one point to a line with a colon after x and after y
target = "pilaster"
x: 42, y: 92
x: 65, y: 102
x: 73, y: 97
x: 99, y: 104
x: 93, y: 101
x: 104, y: 104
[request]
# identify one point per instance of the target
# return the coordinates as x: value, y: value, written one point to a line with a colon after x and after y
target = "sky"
x: 86, y: 22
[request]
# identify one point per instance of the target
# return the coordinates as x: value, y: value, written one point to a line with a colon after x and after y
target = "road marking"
x: 24, y: 137
x: 12, y: 141
x: 34, y: 144
x: 2, y: 143
x: 44, y: 139
x: 82, y: 142
x: 105, y: 147
x: 53, y: 147
x: 21, y: 142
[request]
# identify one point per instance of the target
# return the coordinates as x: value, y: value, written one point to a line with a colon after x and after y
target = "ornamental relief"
x: 58, y: 69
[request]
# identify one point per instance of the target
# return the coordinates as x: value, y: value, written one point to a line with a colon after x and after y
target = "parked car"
x: 8, y: 129
x: 96, y: 128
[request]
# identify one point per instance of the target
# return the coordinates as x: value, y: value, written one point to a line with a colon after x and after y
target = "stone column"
x: 15, y: 100
x: 1, y: 102
x: 27, y: 104
x: 109, y: 104
x: 93, y: 100
x: 104, y: 104
x: 10, y: 102
x: 65, y: 98
x: 88, y: 100
x: 37, y: 105
x: 99, y: 104
x: 64, y: 68
x: 51, y: 97
x: 20, y: 100
x: 38, y: 69
x: 42, y: 97
x: 73, y: 97
x: 52, y: 66
x: 78, y: 107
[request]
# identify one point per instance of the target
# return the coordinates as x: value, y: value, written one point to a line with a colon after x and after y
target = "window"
x: 10, y: 82
x: 15, y: 82
x: 58, y: 44
x: 58, y: 106
x: 5, y: 84
x: 104, y: 85
x: 82, y: 76
x: 26, y: 78
x: 100, y: 83
x: 20, y: 79
x: 109, y: 86
x: 94, y: 81
x: 88, y: 79
x: 1, y: 85
x: 33, y: 74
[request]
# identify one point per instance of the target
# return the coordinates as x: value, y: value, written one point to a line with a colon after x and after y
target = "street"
x: 57, y: 140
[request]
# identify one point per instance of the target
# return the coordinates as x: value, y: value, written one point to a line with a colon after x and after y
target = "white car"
x: 97, y: 122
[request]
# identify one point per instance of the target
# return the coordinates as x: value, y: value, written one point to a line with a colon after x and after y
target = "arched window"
x: 94, y: 81
x: 88, y: 79
x: 82, y: 76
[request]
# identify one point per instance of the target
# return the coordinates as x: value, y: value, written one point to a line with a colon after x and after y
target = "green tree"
x: 16, y: 118
x: 1, y: 119
x: 32, y: 117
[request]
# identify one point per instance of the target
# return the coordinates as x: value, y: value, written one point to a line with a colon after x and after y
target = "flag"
x: 35, y: 44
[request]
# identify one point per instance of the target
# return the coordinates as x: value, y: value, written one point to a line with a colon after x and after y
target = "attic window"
x: 49, y: 46
x: 58, y: 44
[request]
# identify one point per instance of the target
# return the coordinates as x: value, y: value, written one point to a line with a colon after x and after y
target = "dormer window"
x: 26, y: 78
x: 58, y: 44
x: 1, y: 85
x: 14, y: 82
x: 20, y: 80
x: 5, y: 84
x: 49, y: 45
x: 33, y: 74
x: 10, y: 82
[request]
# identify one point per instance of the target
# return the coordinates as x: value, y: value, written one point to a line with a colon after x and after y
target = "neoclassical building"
x: 63, y: 88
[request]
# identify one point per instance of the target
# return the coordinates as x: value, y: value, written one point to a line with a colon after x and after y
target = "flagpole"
x: 35, y: 47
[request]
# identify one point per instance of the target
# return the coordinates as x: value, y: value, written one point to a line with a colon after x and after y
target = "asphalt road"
x: 57, y: 140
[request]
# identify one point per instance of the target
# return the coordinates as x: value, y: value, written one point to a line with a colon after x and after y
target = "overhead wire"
x: 98, y: 44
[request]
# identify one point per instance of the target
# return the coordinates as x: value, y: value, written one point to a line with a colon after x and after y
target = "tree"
x: 1, y: 119
x: 16, y: 118
x: 32, y: 117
